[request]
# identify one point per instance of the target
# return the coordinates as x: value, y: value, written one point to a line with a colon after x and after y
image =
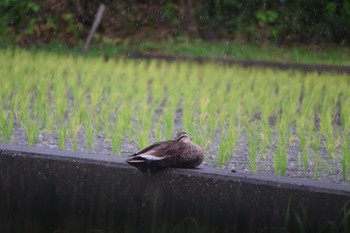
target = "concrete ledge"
x: 54, y: 191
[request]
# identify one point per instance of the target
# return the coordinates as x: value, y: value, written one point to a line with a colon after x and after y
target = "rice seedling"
x: 190, y: 120
x: 158, y: 132
x: 23, y: 111
x: 327, y: 130
x: 268, y: 101
x: 315, y: 144
x: 228, y: 139
x: 97, y: 122
x: 253, y: 147
x: 345, y: 156
x: 116, y: 139
x: 224, y: 151
x: 301, y: 128
x: 168, y: 118
x: 265, y: 136
x: 144, y: 125
x: 281, y: 156
x: 74, y: 127
x: 105, y: 115
x: 206, y: 122
x: 32, y: 131
x: 124, y: 119
x: 62, y: 134
x: 6, y: 125
x: 61, y: 105
x: 88, y: 128
x: 345, y: 113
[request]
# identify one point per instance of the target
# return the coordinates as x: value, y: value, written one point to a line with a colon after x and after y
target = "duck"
x: 180, y: 152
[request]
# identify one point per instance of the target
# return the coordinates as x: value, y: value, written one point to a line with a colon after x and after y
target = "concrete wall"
x: 54, y: 191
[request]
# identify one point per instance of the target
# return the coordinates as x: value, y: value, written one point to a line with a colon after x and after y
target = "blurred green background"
x: 267, y: 30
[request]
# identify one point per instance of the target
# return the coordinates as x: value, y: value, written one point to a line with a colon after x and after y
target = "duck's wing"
x: 156, y: 156
x: 153, y: 148
x: 155, y: 152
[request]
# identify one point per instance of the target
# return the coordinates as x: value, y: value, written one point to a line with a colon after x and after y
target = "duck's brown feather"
x: 171, y: 153
x: 148, y: 148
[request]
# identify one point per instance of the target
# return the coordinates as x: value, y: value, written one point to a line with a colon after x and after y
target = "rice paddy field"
x: 264, y: 121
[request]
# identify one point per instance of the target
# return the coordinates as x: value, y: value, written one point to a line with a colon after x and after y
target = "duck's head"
x: 183, y: 137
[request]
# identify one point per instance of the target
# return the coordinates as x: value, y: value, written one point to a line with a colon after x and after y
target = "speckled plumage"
x: 178, y: 153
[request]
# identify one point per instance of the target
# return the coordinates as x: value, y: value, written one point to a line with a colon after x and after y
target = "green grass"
x: 129, y: 101
x: 294, y: 54
x: 253, y: 148
x: 333, y: 55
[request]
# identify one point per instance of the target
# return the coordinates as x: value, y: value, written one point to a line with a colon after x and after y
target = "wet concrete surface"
x: 43, y: 190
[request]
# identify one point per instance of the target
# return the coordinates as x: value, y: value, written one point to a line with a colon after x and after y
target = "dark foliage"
x: 279, y: 22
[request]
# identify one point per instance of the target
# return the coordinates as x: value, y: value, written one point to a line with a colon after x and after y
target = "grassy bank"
x: 332, y: 55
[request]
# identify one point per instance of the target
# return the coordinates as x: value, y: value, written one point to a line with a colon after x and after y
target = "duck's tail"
x: 146, y: 163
